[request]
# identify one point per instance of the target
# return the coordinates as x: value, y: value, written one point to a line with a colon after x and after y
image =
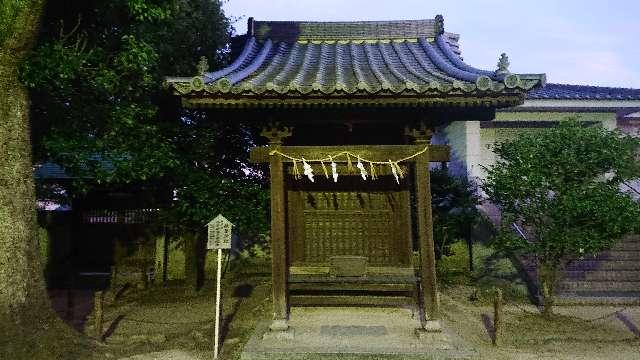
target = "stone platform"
x: 355, y: 333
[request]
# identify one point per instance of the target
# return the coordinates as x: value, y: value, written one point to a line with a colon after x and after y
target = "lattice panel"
x: 330, y: 233
x: 349, y: 223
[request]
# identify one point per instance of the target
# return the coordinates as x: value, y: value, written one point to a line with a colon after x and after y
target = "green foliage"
x: 454, y: 209
x: 144, y: 10
x: 212, y: 178
x: 8, y: 13
x: 89, y: 113
x: 491, y: 269
x: 202, y: 197
x: 100, y: 111
x: 563, y: 187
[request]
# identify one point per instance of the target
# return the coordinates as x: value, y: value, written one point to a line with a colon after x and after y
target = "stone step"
x: 603, y: 275
x: 627, y: 245
x: 619, y: 263
x: 596, y: 265
x: 598, y: 297
x: 600, y: 264
x: 617, y: 255
x: 568, y: 286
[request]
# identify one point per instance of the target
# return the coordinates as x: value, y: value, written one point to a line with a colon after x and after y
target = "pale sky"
x: 590, y: 42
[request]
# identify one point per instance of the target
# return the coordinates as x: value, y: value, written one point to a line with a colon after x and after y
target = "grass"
x: 491, y: 270
x: 247, y: 301
x: 177, y: 317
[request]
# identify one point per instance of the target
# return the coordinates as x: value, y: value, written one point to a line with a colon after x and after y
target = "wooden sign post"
x: 218, y: 237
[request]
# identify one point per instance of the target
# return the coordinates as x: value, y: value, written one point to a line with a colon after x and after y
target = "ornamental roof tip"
x: 397, y: 58
x: 503, y: 65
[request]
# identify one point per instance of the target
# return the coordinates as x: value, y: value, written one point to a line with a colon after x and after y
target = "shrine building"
x: 353, y: 114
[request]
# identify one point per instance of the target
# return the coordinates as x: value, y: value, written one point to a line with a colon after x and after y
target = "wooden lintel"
x: 437, y: 153
x: 511, y: 99
x: 342, y: 300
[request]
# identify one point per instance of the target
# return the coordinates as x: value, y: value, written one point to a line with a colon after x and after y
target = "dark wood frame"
x: 422, y: 191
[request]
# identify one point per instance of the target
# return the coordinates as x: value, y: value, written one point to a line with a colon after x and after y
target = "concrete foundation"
x: 355, y: 333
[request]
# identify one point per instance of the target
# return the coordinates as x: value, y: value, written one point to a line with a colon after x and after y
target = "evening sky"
x: 590, y: 42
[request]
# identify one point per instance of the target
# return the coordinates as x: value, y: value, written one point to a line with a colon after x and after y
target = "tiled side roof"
x: 352, y: 58
x: 49, y: 170
x: 583, y: 92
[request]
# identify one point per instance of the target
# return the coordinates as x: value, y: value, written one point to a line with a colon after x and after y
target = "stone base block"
x: 278, y: 335
x: 279, y: 325
x: 433, y: 326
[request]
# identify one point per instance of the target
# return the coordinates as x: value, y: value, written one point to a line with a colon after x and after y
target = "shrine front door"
x: 328, y: 219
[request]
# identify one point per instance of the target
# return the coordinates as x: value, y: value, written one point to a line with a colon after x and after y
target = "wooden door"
x: 351, y: 217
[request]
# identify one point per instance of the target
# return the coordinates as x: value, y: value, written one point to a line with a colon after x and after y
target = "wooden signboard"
x: 218, y: 237
x: 219, y: 233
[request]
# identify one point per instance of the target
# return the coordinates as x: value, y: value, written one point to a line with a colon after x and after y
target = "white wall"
x: 464, y: 139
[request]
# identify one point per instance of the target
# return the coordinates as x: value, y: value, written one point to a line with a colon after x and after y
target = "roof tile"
x: 583, y: 92
x: 306, y: 58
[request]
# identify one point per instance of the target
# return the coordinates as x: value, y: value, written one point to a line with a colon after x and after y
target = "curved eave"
x: 304, y: 67
x: 196, y: 87
x: 419, y: 71
x: 407, y: 101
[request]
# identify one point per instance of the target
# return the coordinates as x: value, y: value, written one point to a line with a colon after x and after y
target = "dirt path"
x: 577, y: 333
x: 173, y: 323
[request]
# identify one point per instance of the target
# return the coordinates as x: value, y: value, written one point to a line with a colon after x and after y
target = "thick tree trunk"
x: 194, y: 257
x: 547, y: 274
x: 28, y: 326
x: 21, y: 283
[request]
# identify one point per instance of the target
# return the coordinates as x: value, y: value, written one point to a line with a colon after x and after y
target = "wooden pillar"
x: 160, y: 264
x: 429, y: 284
x: 279, y: 268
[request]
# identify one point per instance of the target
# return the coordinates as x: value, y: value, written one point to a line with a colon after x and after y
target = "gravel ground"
x: 175, y: 323
x: 577, y: 333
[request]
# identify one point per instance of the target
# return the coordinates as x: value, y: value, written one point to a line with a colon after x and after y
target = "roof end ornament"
x: 250, y: 27
x: 439, y: 25
x: 203, y: 66
x: 503, y: 65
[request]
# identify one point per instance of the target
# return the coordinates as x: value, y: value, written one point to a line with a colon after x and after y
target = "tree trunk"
x: 547, y: 274
x: 21, y: 280
x: 194, y: 255
x: 28, y: 326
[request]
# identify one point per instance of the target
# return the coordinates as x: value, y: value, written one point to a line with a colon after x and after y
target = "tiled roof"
x: 307, y: 59
x: 49, y: 170
x: 583, y: 92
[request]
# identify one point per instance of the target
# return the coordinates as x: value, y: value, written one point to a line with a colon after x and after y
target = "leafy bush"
x: 562, y: 186
x: 454, y: 203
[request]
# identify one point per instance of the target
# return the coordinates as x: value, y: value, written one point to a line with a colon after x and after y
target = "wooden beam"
x: 438, y: 153
x: 338, y: 286
x: 278, y: 240
x: 369, y: 279
x: 343, y: 170
x: 513, y: 98
x: 428, y: 280
x: 332, y: 300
